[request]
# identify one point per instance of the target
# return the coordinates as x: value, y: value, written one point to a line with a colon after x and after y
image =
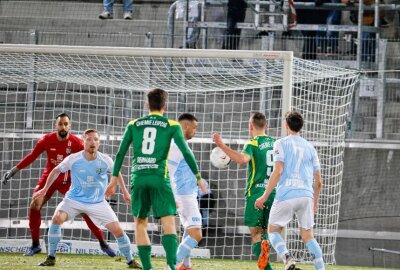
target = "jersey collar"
x: 155, y: 113
x: 262, y: 135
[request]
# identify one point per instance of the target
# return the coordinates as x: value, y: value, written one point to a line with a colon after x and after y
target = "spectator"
x: 312, y: 39
x: 206, y: 203
x: 108, y: 9
x: 194, y: 16
x: 236, y: 14
x: 334, y: 18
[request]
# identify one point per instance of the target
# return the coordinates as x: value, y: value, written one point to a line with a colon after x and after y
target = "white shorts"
x: 101, y: 213
x: 188, y: 210
x: 282, y: 212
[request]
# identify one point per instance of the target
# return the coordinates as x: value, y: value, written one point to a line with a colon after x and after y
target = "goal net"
x: 104, y: 88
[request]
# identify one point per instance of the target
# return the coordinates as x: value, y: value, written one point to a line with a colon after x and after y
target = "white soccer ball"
x: 219, y: 159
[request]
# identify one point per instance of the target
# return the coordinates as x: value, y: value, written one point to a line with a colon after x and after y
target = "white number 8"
x: 148, y: 144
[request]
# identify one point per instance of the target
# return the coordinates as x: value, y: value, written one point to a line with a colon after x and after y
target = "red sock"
x: 34, y: 224
x: 95, y: 230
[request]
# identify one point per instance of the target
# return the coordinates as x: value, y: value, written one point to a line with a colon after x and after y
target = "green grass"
x: 15, y: 261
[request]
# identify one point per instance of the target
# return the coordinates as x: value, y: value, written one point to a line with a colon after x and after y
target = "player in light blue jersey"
x: 297, y: 177
x: 185, y: 188
x: 89, y: 170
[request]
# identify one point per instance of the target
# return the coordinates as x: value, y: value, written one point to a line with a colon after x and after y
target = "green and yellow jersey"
x: 151, y: 137
x: 260, y: 150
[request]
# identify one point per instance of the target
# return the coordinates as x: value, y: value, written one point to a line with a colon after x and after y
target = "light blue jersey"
x: 183, y: 181
x: 300, y: 161
x: 89, y: 178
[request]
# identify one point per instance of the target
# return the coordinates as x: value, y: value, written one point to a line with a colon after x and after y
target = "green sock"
x: 265, y: 236
x: 145, y: 257
x: 257, y: 249
x: 170, y: 244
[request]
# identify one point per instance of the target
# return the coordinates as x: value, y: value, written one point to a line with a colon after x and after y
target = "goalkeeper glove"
x: 8, y: 175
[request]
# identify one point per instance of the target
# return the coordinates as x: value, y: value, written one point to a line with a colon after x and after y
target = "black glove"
x: 8, y: 175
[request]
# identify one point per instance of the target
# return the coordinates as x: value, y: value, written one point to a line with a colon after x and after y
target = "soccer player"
x: 57, y: 145
x: 185, y: 190
x: 258, y: 154
x: 151, y: 137
x: 298, y: 179
x: 86, y: 195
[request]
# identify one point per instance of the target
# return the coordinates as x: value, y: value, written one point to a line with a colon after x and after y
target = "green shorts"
x: 257, y: 217
x: 152, y: 192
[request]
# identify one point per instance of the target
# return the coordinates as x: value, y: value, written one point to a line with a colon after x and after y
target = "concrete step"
x: 78, y: 10
x: 84, y: 25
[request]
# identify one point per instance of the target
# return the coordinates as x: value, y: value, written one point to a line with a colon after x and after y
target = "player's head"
x: 63, y: 125
x: 157, y: 100
x: 91, y: 140
x: 189, y: 125
x: 257, y: 123
x: 294, y: 121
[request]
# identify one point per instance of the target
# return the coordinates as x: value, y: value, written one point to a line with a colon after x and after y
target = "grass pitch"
x: 15, y: 261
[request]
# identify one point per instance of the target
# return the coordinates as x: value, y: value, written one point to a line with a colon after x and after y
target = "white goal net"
x: 104, y: 88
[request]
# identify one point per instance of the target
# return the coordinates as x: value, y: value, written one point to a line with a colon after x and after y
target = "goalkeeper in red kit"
x: 58, y: 145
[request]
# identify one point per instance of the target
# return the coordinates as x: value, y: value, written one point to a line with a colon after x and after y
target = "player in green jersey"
x: 150, y: 137
x: 258, y: 153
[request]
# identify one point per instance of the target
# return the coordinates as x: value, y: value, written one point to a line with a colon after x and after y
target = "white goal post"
x: 104, y: 88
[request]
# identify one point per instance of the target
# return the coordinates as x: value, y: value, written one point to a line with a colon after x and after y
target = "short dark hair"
x: 187, y: 117
x: 90, y: 130
x: 61, y: 115
x: 258, y: 119
x: 294, y: 120
x: 157, y: 98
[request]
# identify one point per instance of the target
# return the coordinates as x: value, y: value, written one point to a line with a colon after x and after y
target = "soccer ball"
x: 219, y: 159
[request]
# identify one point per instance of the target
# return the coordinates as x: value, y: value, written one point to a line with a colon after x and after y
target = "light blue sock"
x: 54, y: 238
x: 185, y: 247
x: 278, y: 244
x: 315, y: 251
x: 124, y: 246
x: 186, y: 260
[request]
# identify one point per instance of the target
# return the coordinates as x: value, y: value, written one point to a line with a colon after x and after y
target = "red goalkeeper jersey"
x: 56, y: 152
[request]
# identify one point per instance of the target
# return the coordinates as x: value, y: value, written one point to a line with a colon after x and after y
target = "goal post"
x: 104, y: 88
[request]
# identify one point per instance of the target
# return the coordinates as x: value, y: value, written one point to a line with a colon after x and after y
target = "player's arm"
x: 123, y: 148
x: 238, y: 157
x: 112, y: 188
x: 273, y: 181
x: 26, y: 161
x: 317, y: 188
x: 317, y: 179
x: 50, y: 180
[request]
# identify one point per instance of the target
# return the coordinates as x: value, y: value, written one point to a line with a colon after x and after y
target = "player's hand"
x: 217, y: 139
x: 39, y: 194
x: 259, y: 204
x: 127, y: 197
x: 8, y: 175
x: 110, y: 190
x: 202, y: 186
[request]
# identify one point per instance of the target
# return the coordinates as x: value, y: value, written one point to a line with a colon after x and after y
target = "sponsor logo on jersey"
x: 150, y: 160
x: 60, y: 158
x: 53, y: 149
x: 90, y: 179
